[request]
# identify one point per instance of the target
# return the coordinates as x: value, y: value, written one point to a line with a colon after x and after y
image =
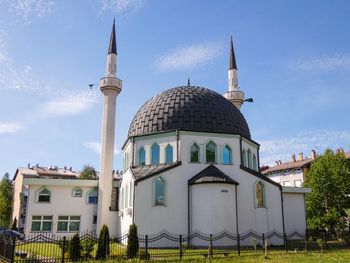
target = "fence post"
x: 306, y: 238
x: 63, y: 249
x: 263, y: 242
x: 325, y: 240
x: 180, y: 247
x: 238, y: 245
x: 210, y: 249
x: 146, y: 248
x: 285, y: 242
x: 13, y: 249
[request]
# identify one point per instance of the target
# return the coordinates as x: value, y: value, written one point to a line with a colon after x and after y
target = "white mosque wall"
x: 126, y: 200
x: 213, y: 208
x: 294, y: 212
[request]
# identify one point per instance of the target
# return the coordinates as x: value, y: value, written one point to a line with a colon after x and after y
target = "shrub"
x: 74, y: 248
x: 87, y: 246
x: 143, y: 255
x: 133, y: 242
x: 103, y: 243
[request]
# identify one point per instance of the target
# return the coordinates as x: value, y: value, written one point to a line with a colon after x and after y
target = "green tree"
x: 103, y: 243
x: 74, y: 248
x: 88, y: 172
x: 329, y: 179
x: 5, y: 200
x: 133, y: 242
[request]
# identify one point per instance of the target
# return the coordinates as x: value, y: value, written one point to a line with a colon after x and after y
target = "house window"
x: 94, y: 219
x: 297, y: 183
x: 92, y: 197
x: 44, y: 196
x: 169, y: 154
x: 286, y: 173
x: 68, y: 223
x: 227, y: 155
x: 255, y: 167
x: 194, y: 153
x: 210, y: 152
x: 77, y: 192
x: 244, y: 158
x: 159, y: 192
x: 249, y: 156
x: 286, y: 183
x: 142, y: 156
x: 260, y: 195
x: 155, y: 154
x: 41, y: 223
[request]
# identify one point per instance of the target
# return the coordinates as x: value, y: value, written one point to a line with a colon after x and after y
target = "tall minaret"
x: 110, y: 86
x: 234, y: 95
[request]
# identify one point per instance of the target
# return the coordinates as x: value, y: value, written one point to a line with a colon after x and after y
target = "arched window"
x: 168, y: 154
x: 77, y: 192
x: 260, y: 195
x: 92, y: 196
x: 210, y: 152
x: 244, y: 158
x: 155, y: 154
x: 142, y: 156
x: 194, y: 158
x: 249, y: 157
x: 44, y: 196
x: 159, y: 191
x: 227, y: 155
x: 254, y: 163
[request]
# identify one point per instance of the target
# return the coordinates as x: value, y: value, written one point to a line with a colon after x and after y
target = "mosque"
x: 189, y: 164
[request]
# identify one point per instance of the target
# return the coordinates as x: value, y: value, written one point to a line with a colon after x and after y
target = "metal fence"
x: 45, y: 247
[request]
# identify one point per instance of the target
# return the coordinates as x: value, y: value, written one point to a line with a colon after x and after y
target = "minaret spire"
x: 112, y: 41
x: 110, y: 87
x: 233, y: 64
x: 234, y: 95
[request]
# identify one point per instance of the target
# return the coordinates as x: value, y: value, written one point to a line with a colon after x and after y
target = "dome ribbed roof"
x: 188, y: 108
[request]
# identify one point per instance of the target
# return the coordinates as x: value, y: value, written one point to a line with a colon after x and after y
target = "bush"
x: 103, y: 243
x: 133, y: 242
x: 143, y: 255
x: 74, y: 248
x: 87, y: 246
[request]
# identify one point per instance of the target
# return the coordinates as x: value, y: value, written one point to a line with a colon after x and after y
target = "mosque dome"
x: 188, y: 108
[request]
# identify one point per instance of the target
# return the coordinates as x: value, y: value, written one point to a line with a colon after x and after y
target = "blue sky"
x: 293, y: 58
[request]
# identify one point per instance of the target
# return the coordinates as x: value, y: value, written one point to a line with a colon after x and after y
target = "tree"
x: 88, y: 172
x: 329, y: 179
x: 74, y: 248
x: 103, y: 243
x: 133, y: 242
x: 5, y: 200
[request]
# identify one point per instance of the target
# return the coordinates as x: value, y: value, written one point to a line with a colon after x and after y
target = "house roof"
x: 143, y: 172
x: 211, y: 174
x: 288, y: 165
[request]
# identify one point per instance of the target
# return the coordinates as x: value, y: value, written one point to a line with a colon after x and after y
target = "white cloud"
x: 69, y: 104
x: 282, y: 149
x: 188, y: 57
x: 10, y: 127
x: 326, y: 63
x: 96, y: 147
x: 27, y: 9
x: 121, y: 7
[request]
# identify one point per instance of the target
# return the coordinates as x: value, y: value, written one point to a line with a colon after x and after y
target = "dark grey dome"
x: 188, y: 108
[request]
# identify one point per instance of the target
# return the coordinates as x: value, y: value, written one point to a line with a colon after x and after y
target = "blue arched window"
x: 168, y: 154
x: 159, y: 191
x: 227, y: 155
x: 142, y: 156
x: 260, y: 195
x: 249, y: 157
x: 210, y: 152
x: 255, y: 167
x: 194, y: 158
x: 244, y: 158
x: 155, y: 154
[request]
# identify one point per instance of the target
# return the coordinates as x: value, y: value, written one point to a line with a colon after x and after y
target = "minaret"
x: 110, y: 86
x: 234, y: 95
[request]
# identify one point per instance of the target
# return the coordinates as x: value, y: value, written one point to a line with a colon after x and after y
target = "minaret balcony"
x: 111, y: 83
